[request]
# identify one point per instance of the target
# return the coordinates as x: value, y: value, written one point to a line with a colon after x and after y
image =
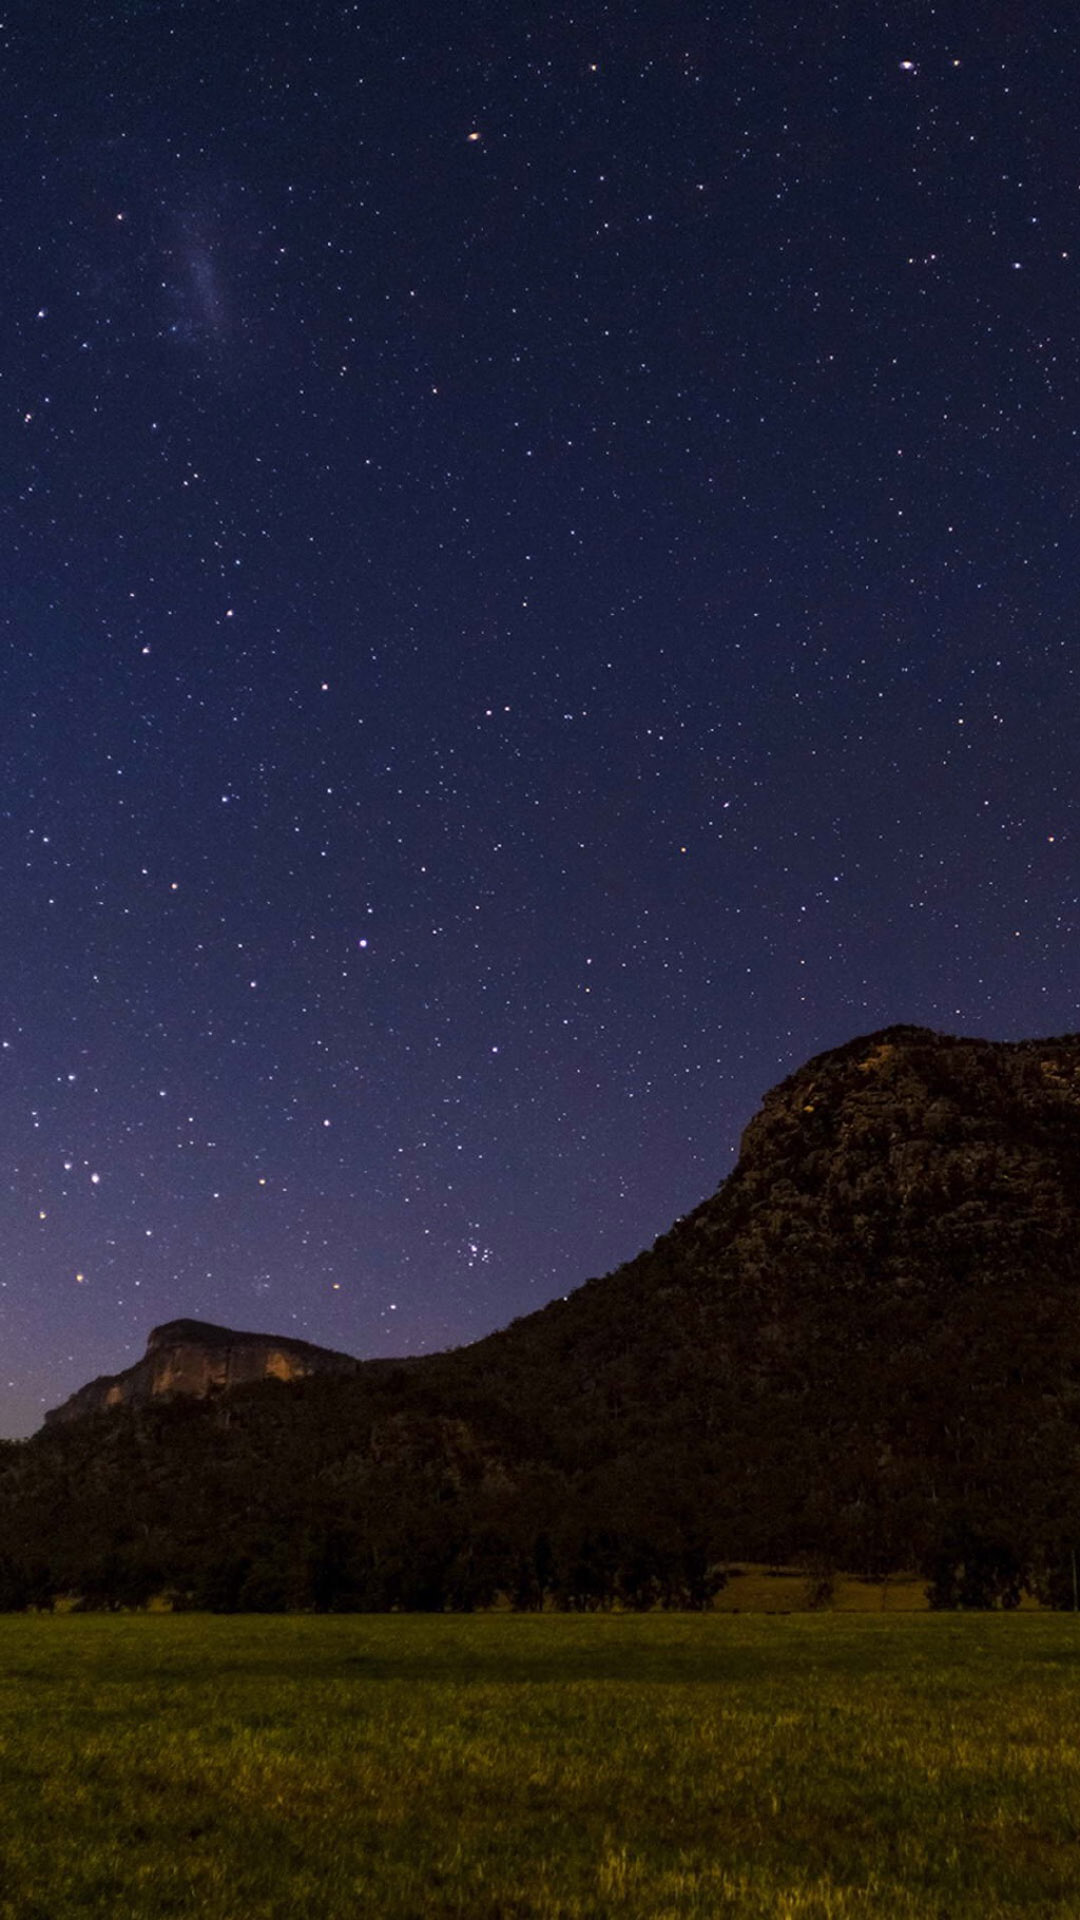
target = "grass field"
x: 900, y: 1764
x: 755, y: 1589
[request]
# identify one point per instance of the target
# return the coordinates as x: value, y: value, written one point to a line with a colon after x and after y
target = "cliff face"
x: 905, y: 1173
x: 194, y: 1358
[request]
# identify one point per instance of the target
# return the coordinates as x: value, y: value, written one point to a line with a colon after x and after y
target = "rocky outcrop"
x: 195, y: 1358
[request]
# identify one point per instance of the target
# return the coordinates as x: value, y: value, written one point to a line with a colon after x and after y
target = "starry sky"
x: 539, y: 553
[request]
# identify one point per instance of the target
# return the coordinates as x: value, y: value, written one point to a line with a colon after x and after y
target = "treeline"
x: 338, y: 1572
x: 370, y: 1496
x: 333, y: 1496
x: 341, y: 1572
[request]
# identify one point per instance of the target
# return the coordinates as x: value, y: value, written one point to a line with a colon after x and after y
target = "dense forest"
x: 863, y: 1352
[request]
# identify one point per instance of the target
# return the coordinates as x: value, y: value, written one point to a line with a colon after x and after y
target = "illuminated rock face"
x: 194, y: 1358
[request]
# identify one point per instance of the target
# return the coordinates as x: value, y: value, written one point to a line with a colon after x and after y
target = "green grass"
x: 922, y: 1767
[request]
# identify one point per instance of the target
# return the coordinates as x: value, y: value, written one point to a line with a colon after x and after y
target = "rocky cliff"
x: 195, y: 1358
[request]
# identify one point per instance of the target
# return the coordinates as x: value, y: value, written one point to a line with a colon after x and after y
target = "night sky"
x: 539, y: 555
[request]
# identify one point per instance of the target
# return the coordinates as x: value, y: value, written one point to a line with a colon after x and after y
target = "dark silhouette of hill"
x: 864, y: 1349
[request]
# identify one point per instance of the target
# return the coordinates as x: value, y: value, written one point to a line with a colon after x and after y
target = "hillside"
x: 864, y: 1349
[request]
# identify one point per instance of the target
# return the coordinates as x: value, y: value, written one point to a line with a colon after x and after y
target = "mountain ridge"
x: 863, y: 1348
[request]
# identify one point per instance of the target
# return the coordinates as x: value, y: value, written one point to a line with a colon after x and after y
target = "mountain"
x: 192, y: 1357
x: 864, y: 1350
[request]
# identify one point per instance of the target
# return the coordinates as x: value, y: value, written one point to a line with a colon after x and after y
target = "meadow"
x: 513, y: 1767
